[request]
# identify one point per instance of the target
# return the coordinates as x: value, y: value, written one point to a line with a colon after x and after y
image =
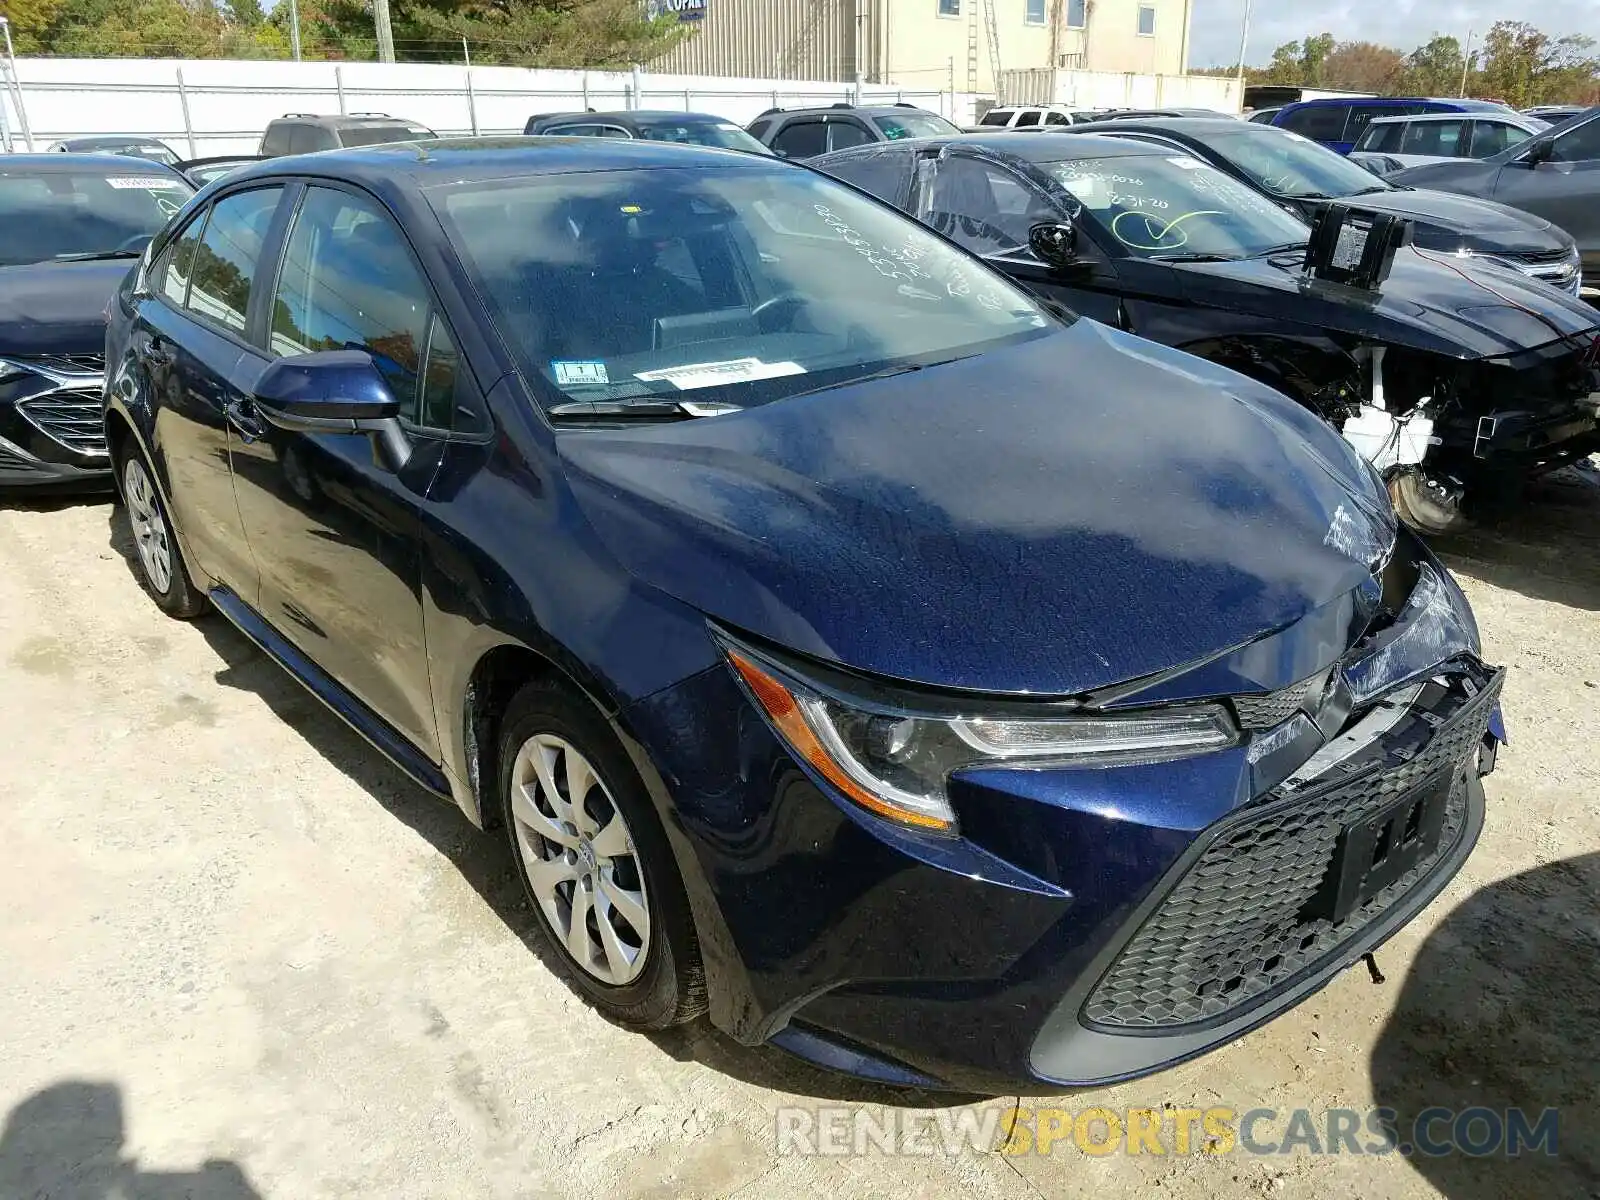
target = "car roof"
x: 1196, y: 127
x: 1461, y: 105
x: 1031, y: 147
x: 428, y: 163
x: 869, y: 110
x: 80, y: 164
x: 345, y: 119
x: 112, y: 140
x: 1511, y: 118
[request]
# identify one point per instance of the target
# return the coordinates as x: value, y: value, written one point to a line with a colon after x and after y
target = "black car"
x: 1306, y: 176
x: 1450, y: 375
x: 940, y: 689
x: 133, y: 147
x: 697, y: 129
x: 806, y: 132
x: 1555, y: 175
x: 71, y: 226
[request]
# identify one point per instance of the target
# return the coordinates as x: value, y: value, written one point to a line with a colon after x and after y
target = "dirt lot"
x: 242, y: 957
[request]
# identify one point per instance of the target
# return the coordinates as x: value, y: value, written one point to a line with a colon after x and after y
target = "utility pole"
x: 1244, y: 48
x: 1466, y: 62
x: 294, y: 29
x: 380, y: 16
x: 14, y: 83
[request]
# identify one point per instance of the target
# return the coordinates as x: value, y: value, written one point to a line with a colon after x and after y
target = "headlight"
x: 896, y: 761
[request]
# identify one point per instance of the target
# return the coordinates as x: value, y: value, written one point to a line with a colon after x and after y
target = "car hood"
x: 1463, y: 310
x: 57, y: 308
x: 1051, y: 518
x: 1448, y: 222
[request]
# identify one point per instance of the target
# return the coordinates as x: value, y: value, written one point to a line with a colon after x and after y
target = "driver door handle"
x: 241, y: 414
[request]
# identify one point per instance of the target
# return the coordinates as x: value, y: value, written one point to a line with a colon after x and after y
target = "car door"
x: 334, y: 524
x: 989, y: 209
x: 1563, y: 187
x: 189, y: 333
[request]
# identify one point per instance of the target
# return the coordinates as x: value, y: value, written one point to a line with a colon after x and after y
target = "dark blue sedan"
x: 941, y: 688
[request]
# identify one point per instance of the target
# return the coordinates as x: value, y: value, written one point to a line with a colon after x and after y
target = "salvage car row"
x: 775, y: 570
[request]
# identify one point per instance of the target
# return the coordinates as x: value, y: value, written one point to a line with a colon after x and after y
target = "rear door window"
x: 229, y: 253
x: 801, y: 139
x: 1055, y: 118
x: 886, y: 174
x: 1320, y: 123
x: 1436, y: 139
x: 308, y: 139
x: 1028, y: 116
x: 1382, y: 137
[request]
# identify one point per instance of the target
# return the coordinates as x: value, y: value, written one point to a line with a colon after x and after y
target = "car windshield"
x: 914, y: 125
x: 1173, y: 205
x: 47, y: 215
x: 1294, y: 167
x: 730, y: 286
x: 375, y: 135
x: 703, y: 133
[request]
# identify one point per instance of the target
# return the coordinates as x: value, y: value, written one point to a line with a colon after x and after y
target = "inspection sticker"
x: 734, y: 370
x: 147, y: 182
x: 579, y: 374
x: 1186, y: 163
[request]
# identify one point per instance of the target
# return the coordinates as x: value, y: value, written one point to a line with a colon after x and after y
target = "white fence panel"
x: 203, y: 107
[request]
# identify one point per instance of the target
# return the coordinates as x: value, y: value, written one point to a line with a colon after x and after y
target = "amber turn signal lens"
x: 784, y: 711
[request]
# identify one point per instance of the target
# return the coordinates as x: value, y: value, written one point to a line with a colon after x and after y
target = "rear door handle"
x: 241, y: 414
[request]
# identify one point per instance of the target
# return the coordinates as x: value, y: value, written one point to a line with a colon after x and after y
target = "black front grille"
x: 1273, y: 709
x: 70, y: 417
x: 81, y: 364
x: 1236, y: 925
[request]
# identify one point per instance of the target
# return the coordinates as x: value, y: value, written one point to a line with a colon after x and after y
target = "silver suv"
x: 306, y: 133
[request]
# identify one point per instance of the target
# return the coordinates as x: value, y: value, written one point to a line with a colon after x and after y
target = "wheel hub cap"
x: 580, y: 860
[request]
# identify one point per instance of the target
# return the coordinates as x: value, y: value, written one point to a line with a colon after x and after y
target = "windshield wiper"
x: 1194, y: 258
x: 884, y: 373
x: 96, y: 255
x: 1280, y: 249
x: 1382, y: 187
x: 639, y: 410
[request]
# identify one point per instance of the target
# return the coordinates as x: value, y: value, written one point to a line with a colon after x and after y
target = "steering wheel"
x: 135, y: 244
x: 765, y: 313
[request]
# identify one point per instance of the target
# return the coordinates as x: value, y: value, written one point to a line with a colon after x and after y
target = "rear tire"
x: 608, y: 900
x: 160, y: 565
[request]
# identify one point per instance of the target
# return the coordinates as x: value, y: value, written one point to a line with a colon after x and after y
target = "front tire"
x: 160, y: 562
x: 594, y: 862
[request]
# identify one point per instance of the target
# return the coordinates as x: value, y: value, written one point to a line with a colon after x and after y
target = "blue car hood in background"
x: 1050, y: 518
x: 57, y: 307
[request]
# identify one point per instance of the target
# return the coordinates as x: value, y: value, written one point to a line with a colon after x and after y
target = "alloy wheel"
x: 149, y: 526
x: 580, y: 859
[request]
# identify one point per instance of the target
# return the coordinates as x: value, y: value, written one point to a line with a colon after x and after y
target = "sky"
x: 1404, y: 24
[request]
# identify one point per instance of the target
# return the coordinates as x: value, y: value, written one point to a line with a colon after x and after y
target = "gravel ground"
x: 242, y: 957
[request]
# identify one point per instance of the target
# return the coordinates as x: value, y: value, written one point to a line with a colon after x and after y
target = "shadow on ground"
x: 1547, y: 547
x: 65, y: 1141
x: 1500, y: 1011
x: 484, y: 859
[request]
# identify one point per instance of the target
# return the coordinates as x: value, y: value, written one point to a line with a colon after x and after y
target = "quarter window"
x: 1147, y: 21
x: 172, y: 270
x: 226, y: 259
x: 348, y: 283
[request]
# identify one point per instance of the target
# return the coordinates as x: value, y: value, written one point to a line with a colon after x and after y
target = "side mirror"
x: 1539, y: 152
x: 1055, y: 242
x: 332, y: 391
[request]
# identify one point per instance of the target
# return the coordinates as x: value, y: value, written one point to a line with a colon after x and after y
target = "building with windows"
x: 931, y: 44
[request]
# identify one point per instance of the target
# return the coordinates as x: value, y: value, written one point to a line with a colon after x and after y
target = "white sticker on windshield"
x: 1186, y: 163
x: 147, y: 182
x: 734, y: 370
x: 579, y: 374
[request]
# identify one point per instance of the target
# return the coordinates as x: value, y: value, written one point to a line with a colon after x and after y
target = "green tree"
x: 1314, y: 53
x: 552, y: 33
x: 1434, y: 69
